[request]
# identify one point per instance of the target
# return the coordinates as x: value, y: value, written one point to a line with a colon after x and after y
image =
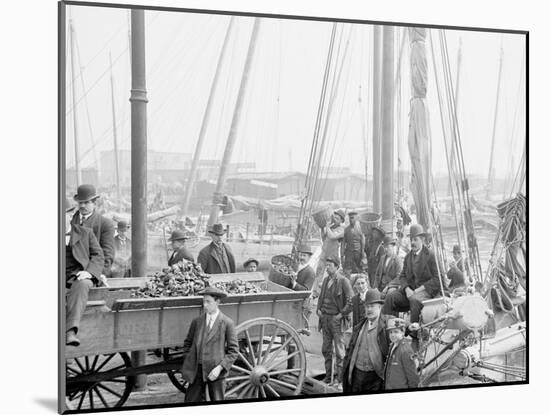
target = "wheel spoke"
x: 245, y: 360
x: 234, y: 378
x: 79, y: 365
x: 94, y: 362
x: 271, y: 341
x: 105, y: 404
x: 91, y: 399
x: 76, y: 372
x: 87, y: 361
x: 244, y: 392
x: 105, y: 362
x: 102, y: 386
x: 240, y: 369
x: 261, y: 343
x: 115, y: 368
x: 81, y: 400
x: 270, y: 389
x: 237, y: 388
x: 282, y: 372
x: 272, y: 358
x: 115, y: 380
x: 273, y: 365
x: 250, y: 348
x: 285, y: 384
x: 262, y: 391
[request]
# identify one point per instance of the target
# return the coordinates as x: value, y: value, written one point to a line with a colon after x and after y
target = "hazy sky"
x: 285, y: 85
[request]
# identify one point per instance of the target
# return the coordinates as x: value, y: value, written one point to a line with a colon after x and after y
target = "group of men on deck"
x: 378, y: 355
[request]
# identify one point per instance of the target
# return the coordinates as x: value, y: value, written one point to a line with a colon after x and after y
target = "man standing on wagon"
x: 209, y: 350
x: 103, y: 228
x: 353, y: 246
x: 216, y: 257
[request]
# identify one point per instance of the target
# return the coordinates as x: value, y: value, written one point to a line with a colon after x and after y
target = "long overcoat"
x: 210, y: 262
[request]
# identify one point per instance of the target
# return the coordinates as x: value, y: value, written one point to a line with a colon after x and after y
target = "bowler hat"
x: 213, y: 292
x: 249, y: 261
x: 416, y: 230
x: 217, y: 229
x: 178, y: 235
x: 396, y: 323
x: 122, y: 225
x: 305, y: 248
x: 334, y: 260
x: 373, y: 297
x: 341, y: 213
x: 389, y: 240
x: 85, y: 192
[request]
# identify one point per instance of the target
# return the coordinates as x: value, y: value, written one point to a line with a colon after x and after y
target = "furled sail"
x: 419, y: 131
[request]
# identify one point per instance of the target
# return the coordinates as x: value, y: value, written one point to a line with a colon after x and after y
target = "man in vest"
x: 333, y: 308
x: 209, y: 350
x: 419, y: 279
x: 217, y: 258
x: 123, y: 251
x: 353, y: 246
x: 103, y: 228
x: 367, y: 350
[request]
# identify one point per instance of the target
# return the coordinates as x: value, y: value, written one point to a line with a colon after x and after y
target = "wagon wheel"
x: 97, y: 394
x: 171, y: 353
x: 271, y: 363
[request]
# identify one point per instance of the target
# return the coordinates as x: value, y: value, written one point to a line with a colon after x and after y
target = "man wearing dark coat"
x: 83, y: 267
x: 400, y: 369
x: 209, y: 350
x: 353, y: 246
x: 419, y: 279
x: 123, y: 251
x: 457, y: 280
x: 389, y: 268
x: 367, y: 350
x: 103, y: 228
x: 361, y: 285
x: 180, y: 252
x: 333, y: 309
x: 217, y: 258
x: 304, y: 278
x: 375, y: 252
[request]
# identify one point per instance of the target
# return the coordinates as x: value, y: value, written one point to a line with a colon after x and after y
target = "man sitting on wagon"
x: 83, y: 268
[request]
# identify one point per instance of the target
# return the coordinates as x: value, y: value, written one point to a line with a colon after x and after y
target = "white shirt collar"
x: 211, y: 318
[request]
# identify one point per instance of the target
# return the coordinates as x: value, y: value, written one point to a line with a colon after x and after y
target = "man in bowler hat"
x: 209, y: 350
x: 123, y: 251
x: 177, y: 239
x: 83, y: 268
x: 103, y: 228
x: 419, y: 279
x: 216, y: 257
x: 368, y: 348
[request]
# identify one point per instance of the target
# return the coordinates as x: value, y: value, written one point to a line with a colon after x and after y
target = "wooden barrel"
x: 322, y: 216
x: 367, y: 220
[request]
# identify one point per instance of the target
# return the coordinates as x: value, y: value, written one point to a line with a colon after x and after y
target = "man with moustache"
x: 389, y: 268
x: 419, y: 279
x: 367, y: 350
x: 89, y: 217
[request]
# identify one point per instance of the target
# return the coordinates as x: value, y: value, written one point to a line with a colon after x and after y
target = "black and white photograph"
x: 258, y: 207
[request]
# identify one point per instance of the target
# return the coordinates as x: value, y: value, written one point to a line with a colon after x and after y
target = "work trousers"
x: 352, y: 261
x: 196, y: 392
x: 332, y: 334
x: 396, y: 301
x: 362, y: 381
x: 77, y: 297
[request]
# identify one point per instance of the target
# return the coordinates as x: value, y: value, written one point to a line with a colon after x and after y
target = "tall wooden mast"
x: 376, y: 154
x: 117, y: 172
x: 214, y: 211
x: 196, y: 157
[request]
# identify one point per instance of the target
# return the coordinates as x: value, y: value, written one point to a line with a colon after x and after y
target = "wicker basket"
x: 368, y: 220
x: 276, y: 276
x: 322, y: 216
